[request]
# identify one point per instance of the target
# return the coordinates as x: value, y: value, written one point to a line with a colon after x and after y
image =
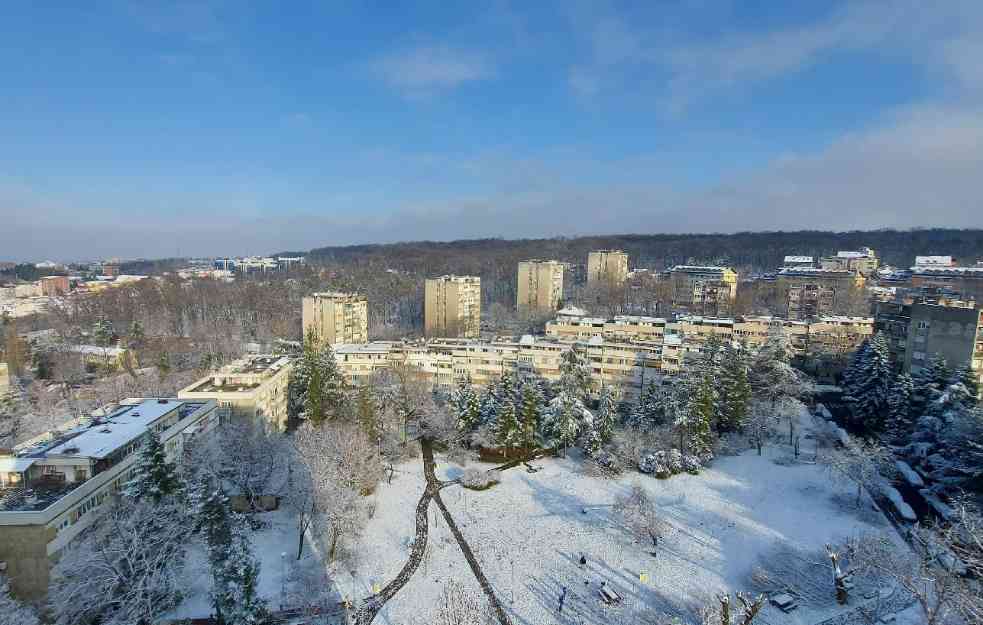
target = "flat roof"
x: 106, y: 435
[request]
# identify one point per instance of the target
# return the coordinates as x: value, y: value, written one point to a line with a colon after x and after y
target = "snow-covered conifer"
x: 154, y: 477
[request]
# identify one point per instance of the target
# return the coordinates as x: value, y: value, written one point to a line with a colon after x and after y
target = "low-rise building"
x: 109, y: 358
x: 798, y: 261
x: 864, y: 261
x: 966, y: 281
x: 336, y: 317
x: 52, y: 487
x: 701, y: 290
x: 255, y: 387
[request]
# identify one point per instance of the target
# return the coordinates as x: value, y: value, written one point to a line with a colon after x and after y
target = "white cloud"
x: 424, y: 70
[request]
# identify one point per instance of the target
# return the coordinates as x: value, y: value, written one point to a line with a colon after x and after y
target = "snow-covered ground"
x: 529, y: 533
x: 278, y: 537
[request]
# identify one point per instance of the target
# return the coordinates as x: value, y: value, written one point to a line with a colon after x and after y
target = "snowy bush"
x: 691, y: 464
x: 476, y: 479
x: 665, y: 464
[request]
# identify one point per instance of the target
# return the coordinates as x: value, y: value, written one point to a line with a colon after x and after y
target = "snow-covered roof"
x: 700, y: 269
x: 638, y: 319
x: 798, y: 259
x: 15, y: 465
x: 376, y: 347
x: 572, y: 311
x: 948, y: 270
x: 810, y: 270
x: 102, y: 438
x: 96, y: 350
x: 935, y: 261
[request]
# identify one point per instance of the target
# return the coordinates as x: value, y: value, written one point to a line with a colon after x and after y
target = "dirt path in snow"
x: 371, y: 606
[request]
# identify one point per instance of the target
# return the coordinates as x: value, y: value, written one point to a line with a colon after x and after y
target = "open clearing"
x: 530, y: 531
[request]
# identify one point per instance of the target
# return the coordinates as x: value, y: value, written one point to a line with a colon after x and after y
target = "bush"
x: 476, y: 479
x: 665, y: 464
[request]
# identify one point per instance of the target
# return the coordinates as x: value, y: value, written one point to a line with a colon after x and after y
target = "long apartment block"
x: 53, y: 486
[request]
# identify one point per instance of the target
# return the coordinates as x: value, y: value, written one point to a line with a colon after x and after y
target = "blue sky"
x: 155, y: 128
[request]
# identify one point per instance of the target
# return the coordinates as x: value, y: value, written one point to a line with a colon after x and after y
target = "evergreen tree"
x: 531, y: 414
x: 734, y: 390
x: 575, y: 375
x: 102, y: 332
x: 154, y: 477
x: 649, y: 412
x: 900, y: 420
x: 137, y: 334
x: 694, y: 422
x: 870, y: 384
x: 930, y: 382
x: 317, y: 388
x: 488, y: 406
x: 467, y: 406
x: 508, y: 430
x: 564, y: 420
x: 234, y: 570
x: 607, y: 415
x: 367, y: 413
x: 969, y: 380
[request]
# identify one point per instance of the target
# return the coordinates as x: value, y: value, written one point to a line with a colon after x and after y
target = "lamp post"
x: 283, y: 577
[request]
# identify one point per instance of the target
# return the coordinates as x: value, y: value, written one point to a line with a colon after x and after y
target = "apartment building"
x: 452, y: 307
x: 621, y: 328
x: 798, y: 261
x: 966, y: 281
x: 703, y: 290
x: 540, y: 286
x: 607, y: 267
x: 52, y: 487
x: 923, y: 262
x: 255, y: 387
x: 918, y: 330
x: 54, y: 286
x: 809, y: 292
x: 336, y: 317
x: 863, y: 261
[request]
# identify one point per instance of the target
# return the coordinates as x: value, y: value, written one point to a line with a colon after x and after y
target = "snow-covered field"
x: 529, y: 533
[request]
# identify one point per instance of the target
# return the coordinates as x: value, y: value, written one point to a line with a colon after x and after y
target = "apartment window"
x: 923, y: 325
x: 918, y: 355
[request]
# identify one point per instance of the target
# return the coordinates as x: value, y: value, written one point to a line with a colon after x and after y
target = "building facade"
x: 809, y: 292
x: 539, y: 288
x: 54, y: 486
x: 864, y: 261
x: 965, y: 281
x: 452, y: 307
x: 255, y: 387
x: 917, y: 331
x: 336, y: 317
x: 703, y: 290
x: 54, y: 286
x: 607, y: 267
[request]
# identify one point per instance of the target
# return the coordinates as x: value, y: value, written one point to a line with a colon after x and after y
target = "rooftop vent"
x: 161, y: 401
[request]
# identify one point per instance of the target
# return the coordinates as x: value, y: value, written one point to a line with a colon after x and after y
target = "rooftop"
x: 700, y: 269
x: 798, y: 259
x: 949, y: 271
x: 805, y: 271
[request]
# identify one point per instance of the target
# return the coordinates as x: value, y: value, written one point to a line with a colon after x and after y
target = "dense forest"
x: 745, y: 251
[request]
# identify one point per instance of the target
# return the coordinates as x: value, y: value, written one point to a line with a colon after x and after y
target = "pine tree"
x: 467, y: 406
x: 734, y: 390
x: 508, y: 430
x: 234, y: 570
x: 154, y: 477
x: 930, y: 382
x: 900, y: 421
x: 649, y: 412
x: 969, y: 380
x: 367, y: 413
x: 318, y: 388
x: 870, y: 383
x: 565, y: 420
x: 488, y: 406
x: 607, y: 415
x: 531, y: 413
x: 694, y: 422
x: 575, y: 375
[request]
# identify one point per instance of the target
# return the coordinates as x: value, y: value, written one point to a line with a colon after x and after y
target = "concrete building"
x: 54, y: 286
x: 607, y: 267
x: 452, y: 307
x: 52, y: 487
x: 539, y: 288
x: 918, y: 330
x: 798, y: 261
x: 925, y: 262
x: 703, y: 290
x: 810, y: 292
x: 105, y: 358
x: 254, y: 387
x: 336, y: 317
x: 4, y: 379
x: 863, y: 261
x: 966, y: 281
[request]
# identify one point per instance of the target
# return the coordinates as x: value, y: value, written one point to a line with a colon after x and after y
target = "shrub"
x: 476, y: 479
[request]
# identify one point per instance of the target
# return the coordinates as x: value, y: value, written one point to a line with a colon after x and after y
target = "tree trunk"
x: 334, y: 545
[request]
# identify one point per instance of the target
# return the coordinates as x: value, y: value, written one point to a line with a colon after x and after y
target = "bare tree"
x: 841, y: 579
x: 719, y: 613
x: 640, y: 516
x: 248, y: 457
x: 860, y: 464
x: 13, y: 612
x: 344, y: 466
